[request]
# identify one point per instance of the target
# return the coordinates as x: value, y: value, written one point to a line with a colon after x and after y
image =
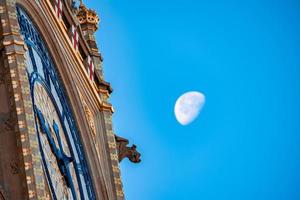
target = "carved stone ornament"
x: 87, y: 16
x: 124, y: 151
x: 89, y: 116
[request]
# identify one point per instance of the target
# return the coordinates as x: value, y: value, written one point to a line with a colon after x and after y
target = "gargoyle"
x: 124, y: 151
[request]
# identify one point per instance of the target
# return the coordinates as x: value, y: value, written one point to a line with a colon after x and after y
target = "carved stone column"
x: 89, y: 24
x: 21, y: 174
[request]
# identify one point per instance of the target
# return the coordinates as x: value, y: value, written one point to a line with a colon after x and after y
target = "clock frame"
x: 42, y: 73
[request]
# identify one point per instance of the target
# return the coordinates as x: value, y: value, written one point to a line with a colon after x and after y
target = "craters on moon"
x: 188, y: 106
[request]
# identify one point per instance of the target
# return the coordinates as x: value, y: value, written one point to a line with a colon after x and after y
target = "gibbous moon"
x: 188, y: 107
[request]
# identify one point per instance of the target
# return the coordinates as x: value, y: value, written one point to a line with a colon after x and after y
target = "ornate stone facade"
x: 22, y: 172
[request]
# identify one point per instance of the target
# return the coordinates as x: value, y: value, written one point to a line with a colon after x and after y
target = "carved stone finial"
x: 87, y: 17
x: 124, y: 151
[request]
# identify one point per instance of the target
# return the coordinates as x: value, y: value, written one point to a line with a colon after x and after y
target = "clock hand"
x: 56, y: 131
x: 45, y: 129
x: 41, y: 120
x: 62, y: 159
x: 67, y: 159
x: 64, y: 156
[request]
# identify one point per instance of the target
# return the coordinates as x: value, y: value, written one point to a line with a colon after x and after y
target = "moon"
x: 188, y: 107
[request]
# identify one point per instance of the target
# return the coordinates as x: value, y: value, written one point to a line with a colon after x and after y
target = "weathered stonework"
x: 20, y: 124
x: 21, y: 171
x: 113, y: 154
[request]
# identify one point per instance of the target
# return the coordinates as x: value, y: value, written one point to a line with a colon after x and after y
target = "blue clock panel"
x: 62, y: 154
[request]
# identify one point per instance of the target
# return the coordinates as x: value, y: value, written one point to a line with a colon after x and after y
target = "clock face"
x: 63, y: 158
x: 58, y: 160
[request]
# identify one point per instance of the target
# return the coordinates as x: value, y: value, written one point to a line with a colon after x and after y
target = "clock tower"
x: 56, y: 134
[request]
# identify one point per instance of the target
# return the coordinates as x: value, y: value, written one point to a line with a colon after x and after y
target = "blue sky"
x: 244, y: 55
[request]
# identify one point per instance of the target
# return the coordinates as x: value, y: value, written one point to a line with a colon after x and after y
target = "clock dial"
x: 63, y: 158
x: 58, y: 159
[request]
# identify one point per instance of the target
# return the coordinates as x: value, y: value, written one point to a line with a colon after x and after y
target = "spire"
x: 88, y: 18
